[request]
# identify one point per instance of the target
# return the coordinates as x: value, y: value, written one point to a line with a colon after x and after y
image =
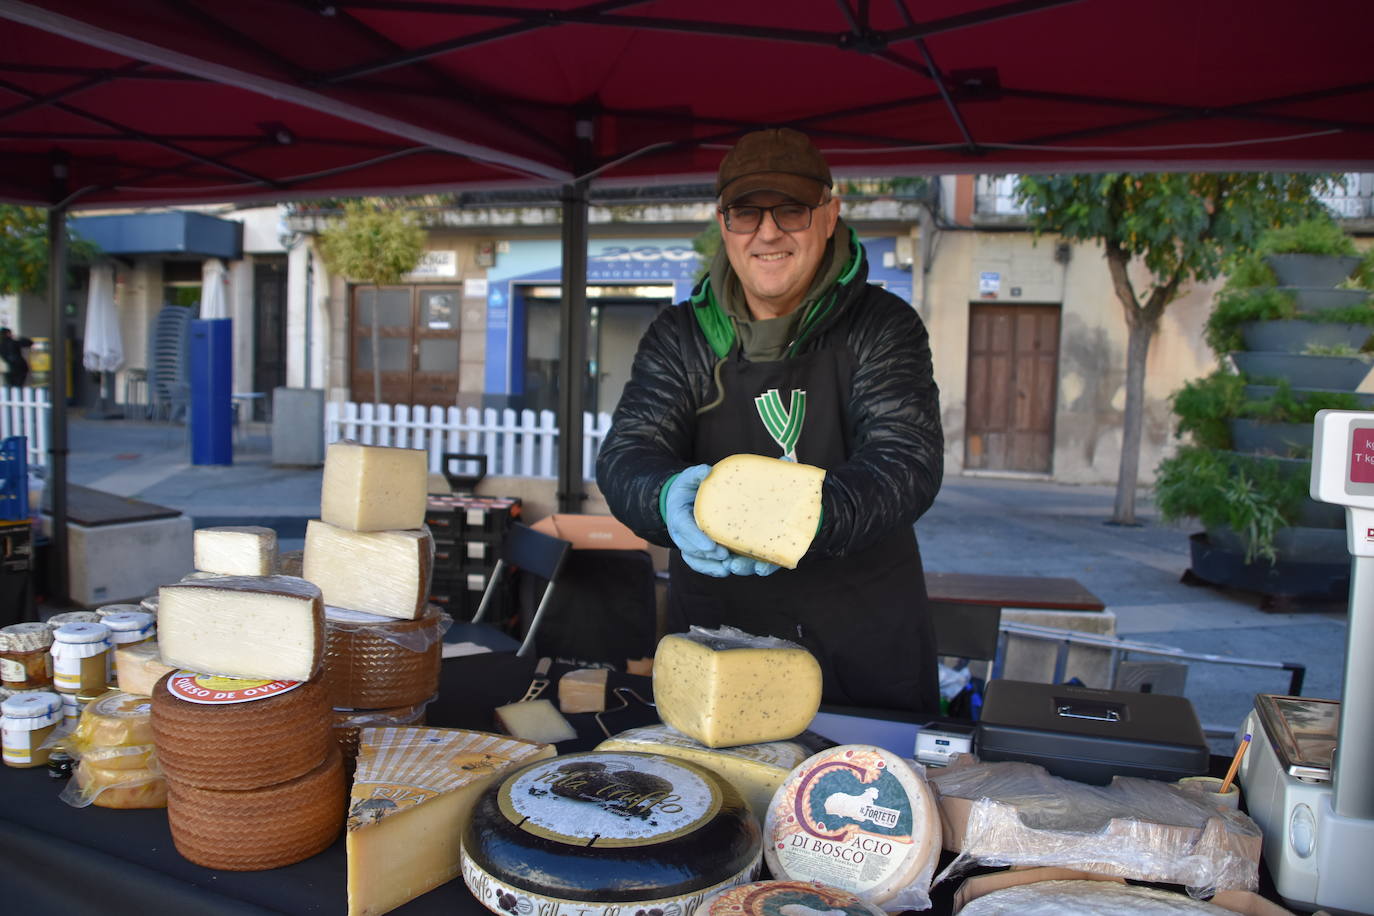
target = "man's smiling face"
x: 776, y: 268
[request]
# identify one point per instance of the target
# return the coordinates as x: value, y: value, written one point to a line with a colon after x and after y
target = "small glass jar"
x: 25, y: 663
x: 26, y: 721
x: 81, y: 657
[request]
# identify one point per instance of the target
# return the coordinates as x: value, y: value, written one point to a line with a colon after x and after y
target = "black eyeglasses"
x: 787, y: 217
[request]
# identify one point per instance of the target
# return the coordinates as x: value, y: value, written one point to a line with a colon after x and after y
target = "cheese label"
x: 122, y: 706
x: 786, y: 898
x: 609, y: 799
x: 211, y: 690
x: 503, y: 898
x: 852, y: 817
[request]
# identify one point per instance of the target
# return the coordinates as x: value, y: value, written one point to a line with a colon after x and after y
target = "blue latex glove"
x: 698, y: 550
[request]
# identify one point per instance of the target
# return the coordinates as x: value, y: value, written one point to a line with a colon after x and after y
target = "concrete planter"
x: 1343, y: 373
x: 1311, y: 269
x: 1255, y: 437
x: 1260, y: 392
x: 1322, y: 298
x: 1324, y: 577
x: 1296, y: 336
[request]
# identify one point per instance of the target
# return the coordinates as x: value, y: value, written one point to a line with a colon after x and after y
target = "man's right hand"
x: 698, y: 550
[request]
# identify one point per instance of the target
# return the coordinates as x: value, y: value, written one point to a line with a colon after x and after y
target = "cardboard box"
x: 1243, y: 902
x: 591, y: 532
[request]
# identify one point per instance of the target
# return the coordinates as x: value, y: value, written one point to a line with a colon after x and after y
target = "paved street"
x: 978, y: 525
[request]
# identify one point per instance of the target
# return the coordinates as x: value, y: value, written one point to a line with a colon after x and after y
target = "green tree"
x: 377, y: 242
x: 24, y: 249
x: 1181, y: 228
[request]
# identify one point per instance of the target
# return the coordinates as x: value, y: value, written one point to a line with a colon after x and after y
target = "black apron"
x: 863, y: 616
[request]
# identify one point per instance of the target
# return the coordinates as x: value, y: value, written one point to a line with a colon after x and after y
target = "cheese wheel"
x: 349, y: 723
x: 1084, y: 896
x: 115, y: 719
x: 260, y: 828
x: 724, y: 687
x: 768, y: 898
x: 597, y: 833
x: 856, y: 817
x: 373, y: 662
x: 761, y: 507
x: 239, y: 735
x: 104, y: 787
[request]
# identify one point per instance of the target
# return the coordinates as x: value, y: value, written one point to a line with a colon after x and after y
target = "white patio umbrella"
x: 214, y: 300
x: 103, y: 349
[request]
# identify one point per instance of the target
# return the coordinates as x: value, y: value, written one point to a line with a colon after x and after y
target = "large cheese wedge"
x: 373, y: 488
x: 378, y: 572
x: 268, y: 627
x: 859, y: 818
x: 755, y: 769
x: 412, y: 796
x: 608, y: 834
x: 248, y: 550
x: 761, y: 507
x: 725, y: 688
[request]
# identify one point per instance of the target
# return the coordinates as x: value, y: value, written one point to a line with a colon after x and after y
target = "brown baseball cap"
x: 778, y: 159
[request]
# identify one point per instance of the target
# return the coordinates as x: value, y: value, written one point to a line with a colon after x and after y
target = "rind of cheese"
x: 267, y: 628
x: 378, y: 572
x: 724, y: 688
x: 755, y: 769
x: 760, y: 507
x: 245, y: 550
x: 373, y: 487
x: 583, y: 690
x: 534, y: 720
x: 412, y: 796
x: 767, y: 898
x: 139, y: 667
x: 857, y: 817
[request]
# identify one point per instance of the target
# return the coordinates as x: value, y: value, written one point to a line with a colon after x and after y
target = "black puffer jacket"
x: 893, y: 435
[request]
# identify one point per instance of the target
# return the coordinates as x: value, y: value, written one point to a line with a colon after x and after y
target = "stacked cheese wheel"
x: 114, y: 745
x: 254, y: 779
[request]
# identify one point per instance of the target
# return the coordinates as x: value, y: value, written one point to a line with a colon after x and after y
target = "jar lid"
x: 128, y: 621
x: 107, y: 610
x: 25, y: 637
x: 32, y: 705
x: 80, y: 633
x: 60, y: 620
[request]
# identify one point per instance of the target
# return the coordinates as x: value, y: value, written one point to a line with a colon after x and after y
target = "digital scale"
x: 1309, y: 775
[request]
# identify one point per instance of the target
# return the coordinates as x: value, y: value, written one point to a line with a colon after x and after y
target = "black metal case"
x: 1091, y: 735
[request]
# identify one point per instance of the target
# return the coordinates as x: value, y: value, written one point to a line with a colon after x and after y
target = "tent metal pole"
x: 573, y: 336
x: 57, y: 384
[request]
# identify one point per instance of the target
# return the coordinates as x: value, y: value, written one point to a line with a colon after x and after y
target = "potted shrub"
x: 1313, y: 253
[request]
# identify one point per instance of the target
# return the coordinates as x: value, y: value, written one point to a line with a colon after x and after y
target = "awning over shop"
x: 177, y: 232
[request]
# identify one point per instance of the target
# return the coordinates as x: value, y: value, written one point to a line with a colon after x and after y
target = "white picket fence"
x: 517, y: 443
x: 26, y: 412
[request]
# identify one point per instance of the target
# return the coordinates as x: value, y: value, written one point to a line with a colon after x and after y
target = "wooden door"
x: 1013, y: 365
x: 417, y: 344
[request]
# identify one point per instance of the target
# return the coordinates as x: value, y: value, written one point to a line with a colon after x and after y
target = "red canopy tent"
x: 146, y: 101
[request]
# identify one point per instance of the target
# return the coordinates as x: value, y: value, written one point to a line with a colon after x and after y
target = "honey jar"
x: 24, y: 660
x: 26, y: 721
x: 81, y: 657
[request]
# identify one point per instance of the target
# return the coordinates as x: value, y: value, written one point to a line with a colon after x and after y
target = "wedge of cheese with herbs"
x: 412, y: 797
x: 248, y: 550
x: 725, y: 688
x: 760, y: 507
x: 255, y: 627
x: 374, y: 487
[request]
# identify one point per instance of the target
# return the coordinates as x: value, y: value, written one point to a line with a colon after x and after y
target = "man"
x: 12, y: 352
x: 784, y: 311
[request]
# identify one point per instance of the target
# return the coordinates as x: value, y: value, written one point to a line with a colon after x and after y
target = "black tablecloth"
x: 59, y: 859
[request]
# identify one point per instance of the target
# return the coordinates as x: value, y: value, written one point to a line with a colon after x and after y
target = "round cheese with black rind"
x: 239, y: 734
x: 786, y: 898
x: 594, y: 833
x: 856, y: 817
x: 375, y: 662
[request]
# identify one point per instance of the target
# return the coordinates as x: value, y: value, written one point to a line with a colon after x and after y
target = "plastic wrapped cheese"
x: 376, y: 662
x: 94, y: 783
x: 725, y: 687
x: 761, y: 507
x: 115, y: 719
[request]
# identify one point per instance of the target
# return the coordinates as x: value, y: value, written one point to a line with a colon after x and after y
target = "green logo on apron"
x: 783, y: 425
